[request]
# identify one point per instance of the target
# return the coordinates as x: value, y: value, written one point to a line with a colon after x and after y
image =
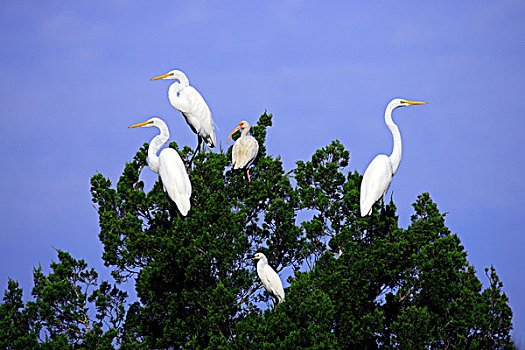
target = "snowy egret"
x: 270, y: 279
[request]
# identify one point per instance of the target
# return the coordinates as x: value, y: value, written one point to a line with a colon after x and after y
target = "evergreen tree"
x: 68, y: 311
x: 355, y: 283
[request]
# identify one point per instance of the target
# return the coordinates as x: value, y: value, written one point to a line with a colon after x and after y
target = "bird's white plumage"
x: 379, y: 173
x: 192, y: 105
x: 375, y: 182
x: 245, y: 148
x: 175, y: 179
x: 169, y: 166
x: 269, y: 278
x: 244, y: 152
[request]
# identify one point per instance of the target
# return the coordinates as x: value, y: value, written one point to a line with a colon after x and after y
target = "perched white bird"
x: 169, y: 166
x: 378, y: 175
x: 187, y: 99
x: 270, y: 279
x: 245, y: 148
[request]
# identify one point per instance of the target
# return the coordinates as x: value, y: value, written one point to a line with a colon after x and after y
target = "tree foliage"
x: 353, y: 282
x: 70, y: 310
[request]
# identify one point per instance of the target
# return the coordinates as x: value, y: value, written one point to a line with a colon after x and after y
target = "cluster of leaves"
x: 354, y: 283
x: 70, y: 310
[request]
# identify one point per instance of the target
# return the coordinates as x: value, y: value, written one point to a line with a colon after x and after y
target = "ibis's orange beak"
x: 233, y: 132
x: 140, y: 124
x: 162, y: 76
x: 415, y: 103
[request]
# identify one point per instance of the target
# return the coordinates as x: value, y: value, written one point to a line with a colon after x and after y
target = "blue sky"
x: 74, y: 76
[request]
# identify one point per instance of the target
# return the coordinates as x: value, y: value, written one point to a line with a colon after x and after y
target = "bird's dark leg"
x: 163, y: 210
x: 275, y: 301
x: 199, y: 141
x: 164, y: 200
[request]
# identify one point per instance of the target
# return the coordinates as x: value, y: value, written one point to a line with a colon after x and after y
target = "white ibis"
x: 245, y: 149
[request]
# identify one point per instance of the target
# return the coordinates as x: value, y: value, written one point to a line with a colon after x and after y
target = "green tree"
x: 354, y: 283
x: 16, y: 330
x: 68, y: 310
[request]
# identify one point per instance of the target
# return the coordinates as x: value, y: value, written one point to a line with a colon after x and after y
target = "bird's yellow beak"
x: 140, y: 124
x: 162, y: 76
x: 255, y: 256
x: 233, y: 132
x: 415, y: 103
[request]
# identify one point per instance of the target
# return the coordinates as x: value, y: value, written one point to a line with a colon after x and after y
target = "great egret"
x: 270, y: 279
x: 379, y: 173
x: 245, y: 148
x: 191, y: 104
x: 169, y: 166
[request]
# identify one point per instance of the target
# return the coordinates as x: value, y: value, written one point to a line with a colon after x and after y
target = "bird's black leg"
x: 199, y: 141
x: 275, y: 301
x: 164, y: 200
x: 163, y: 209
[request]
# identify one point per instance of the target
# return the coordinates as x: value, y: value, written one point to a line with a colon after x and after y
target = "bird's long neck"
x: 245, y: 131
x: 154, y: 146
x: 261, y: 263
x: 181, y: 77
x: 395, y: 157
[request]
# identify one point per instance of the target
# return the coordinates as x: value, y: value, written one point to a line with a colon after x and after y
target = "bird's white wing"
x: 175, y: 179
x: 376, y: 181
x: 244, y: 151
x: 198, y: 115
x: 274, y: 283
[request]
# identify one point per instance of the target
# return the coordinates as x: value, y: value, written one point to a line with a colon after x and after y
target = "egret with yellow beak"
x: 191, y: 104
x: 169, y: 166
x: 270, y: 279
x: 379, y: 173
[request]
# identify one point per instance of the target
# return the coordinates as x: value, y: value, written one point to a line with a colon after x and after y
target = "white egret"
x: 379, y: 173
x: 191, y: 104
x: 245, y: 148
x: 270, y: 279
x: 169, y: 166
